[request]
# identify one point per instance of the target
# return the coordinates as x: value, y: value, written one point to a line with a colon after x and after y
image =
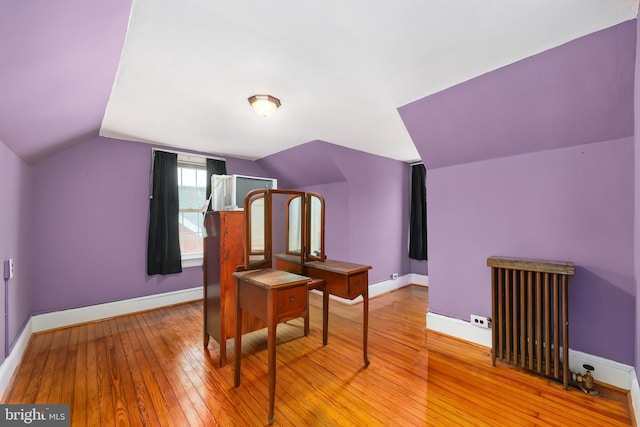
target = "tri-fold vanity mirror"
x: 286, y: 224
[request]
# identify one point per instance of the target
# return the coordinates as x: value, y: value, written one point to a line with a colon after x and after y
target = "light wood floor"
x: 151, y: 369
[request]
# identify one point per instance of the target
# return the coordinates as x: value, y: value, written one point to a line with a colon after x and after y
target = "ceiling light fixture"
x: 264, y: 105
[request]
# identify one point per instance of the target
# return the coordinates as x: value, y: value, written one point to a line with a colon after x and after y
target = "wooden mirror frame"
x: 267, y: 194
x: 265, y: 262
x: 307, y: 228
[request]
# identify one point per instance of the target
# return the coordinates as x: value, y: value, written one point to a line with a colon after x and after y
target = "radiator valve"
x: 585, y: 381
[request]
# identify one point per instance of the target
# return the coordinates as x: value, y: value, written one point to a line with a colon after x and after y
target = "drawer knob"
x: 292, y: 299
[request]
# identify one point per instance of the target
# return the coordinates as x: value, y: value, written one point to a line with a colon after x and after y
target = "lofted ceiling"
x: 178, y: 73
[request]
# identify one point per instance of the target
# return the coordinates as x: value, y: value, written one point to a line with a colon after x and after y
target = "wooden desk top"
x: 332, y: 265
x: 335, y: 266
x: 270, y: 278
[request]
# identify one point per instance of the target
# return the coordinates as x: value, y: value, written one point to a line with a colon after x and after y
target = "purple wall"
x: 57, y: 67
x: 90, y: 235
x: 536, y: 160
x: 89, y: 244
x: 305, y: 165
x: 573, y: 204
x: 16, y: 203
x: 366, y: 197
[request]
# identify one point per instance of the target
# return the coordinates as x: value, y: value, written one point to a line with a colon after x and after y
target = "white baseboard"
x: 385, y: 286
x: 12, y: 361
x: 419, y: 279
x: 377, y: 289
x: 606, y: 371
x: 459, y: 329
x: 635, y: 397
x: 59, y: 319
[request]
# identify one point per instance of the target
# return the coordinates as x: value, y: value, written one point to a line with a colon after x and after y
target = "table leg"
x: 325, y: 316
x: 238, y: 340
x: 365, y: 325
x: 306, y: 318
x: 271, y: 349
x: 222, y: 358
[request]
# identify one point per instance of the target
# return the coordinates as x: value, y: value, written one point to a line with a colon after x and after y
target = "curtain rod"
x: 153, y: 149
x: 416, y: 163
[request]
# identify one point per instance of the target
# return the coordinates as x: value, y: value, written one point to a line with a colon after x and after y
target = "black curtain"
x: 163, y: 248
x: 418, y: 226
x: 214, y: 167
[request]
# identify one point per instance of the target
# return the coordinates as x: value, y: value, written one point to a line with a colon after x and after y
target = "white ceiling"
x: 340, y: 68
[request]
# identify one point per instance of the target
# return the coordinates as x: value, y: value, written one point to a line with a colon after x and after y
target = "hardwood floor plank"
x: 79, y: 386
x: 167, y: 355
x: 93, y: 417
x: 49, y: 388
x: 151, y: 369
x: 136, y: 394
x: 117, y: 373
x: 102, y: 376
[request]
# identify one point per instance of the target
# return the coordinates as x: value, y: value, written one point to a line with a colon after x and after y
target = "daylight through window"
x: 192, y: 188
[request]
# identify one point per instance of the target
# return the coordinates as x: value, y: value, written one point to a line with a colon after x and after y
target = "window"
x: 192, y: 189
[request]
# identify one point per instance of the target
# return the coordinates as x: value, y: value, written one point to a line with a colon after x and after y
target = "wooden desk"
x: 273, y: 296
x: 342, y: 279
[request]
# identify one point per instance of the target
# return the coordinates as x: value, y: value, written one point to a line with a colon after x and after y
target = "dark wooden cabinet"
x: 223, y: 253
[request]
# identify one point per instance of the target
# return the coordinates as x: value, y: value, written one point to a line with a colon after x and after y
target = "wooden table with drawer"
x: 273, y: 296
x: 340, y: 278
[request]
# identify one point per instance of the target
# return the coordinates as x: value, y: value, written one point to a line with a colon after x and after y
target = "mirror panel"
x: 277, y: 224
x: 294, y: 225
x: 257, y: 229
x: 274, y: 227
x: 315, y: 227
x: 287, y: 209
x: 257, y: 244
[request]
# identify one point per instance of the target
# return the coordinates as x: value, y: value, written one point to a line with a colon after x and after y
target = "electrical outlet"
x: 8, y: 269
x: 394, y: 276
x: 480, y: 321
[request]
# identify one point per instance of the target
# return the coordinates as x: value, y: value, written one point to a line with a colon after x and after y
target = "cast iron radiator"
x: 530, y: 315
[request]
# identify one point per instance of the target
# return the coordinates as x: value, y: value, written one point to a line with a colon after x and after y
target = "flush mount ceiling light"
x: 264, y: 105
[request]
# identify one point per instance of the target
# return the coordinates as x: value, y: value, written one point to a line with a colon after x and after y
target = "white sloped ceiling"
x: 341, y: 69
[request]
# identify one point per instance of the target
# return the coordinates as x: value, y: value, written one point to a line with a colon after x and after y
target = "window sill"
x: 192, y: 262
